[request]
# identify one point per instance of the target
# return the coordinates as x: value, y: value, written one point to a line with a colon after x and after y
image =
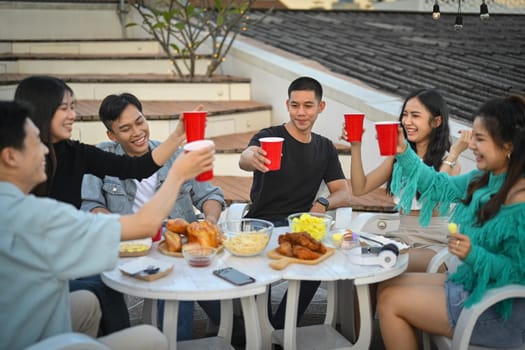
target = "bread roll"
x: 178, y: 225
x: 173, y: 241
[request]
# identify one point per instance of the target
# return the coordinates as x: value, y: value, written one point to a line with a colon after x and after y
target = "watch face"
x: 323, y: 201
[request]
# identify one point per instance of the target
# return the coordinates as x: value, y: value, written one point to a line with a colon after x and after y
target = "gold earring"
x: 508, y: 155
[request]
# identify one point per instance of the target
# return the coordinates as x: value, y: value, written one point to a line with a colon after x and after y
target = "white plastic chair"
x: 342, y: 216
x: 376, y: 223
x: 469, y: 316
x: 69, y: 341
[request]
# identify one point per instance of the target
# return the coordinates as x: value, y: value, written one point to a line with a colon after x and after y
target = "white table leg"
x: 171, y: 317
x: 365, y: 315
x: 331, y: 304
x: 264, y: 321
x: 225, y: 328
x: 290, y: 320
x: 149, y: 312
x: 251, y: 323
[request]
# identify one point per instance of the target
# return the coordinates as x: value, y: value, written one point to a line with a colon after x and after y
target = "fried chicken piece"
x: 173, y: 241
x: 204, y: 233
x: 304, y: 253
x: 285, y: 248
x: 303, y: 239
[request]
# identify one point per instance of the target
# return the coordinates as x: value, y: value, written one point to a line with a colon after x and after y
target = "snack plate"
x: 133, y: 268
x: 282, y: 261
x: 145, y: 245
x: 163, y: 248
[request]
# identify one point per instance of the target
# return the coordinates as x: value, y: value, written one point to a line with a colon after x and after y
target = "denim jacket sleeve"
x: 204, y: 191
x: 92, y: 194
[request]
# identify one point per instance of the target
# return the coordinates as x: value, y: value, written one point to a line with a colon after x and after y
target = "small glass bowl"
x: 246, y: 237
x: 199, y: 256
x: 316, y: 224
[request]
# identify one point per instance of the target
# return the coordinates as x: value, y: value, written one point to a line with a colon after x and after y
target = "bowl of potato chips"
x: 316, y: 224
x: 246, y: 237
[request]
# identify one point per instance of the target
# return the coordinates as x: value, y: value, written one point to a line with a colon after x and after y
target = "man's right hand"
x: 255, y: 158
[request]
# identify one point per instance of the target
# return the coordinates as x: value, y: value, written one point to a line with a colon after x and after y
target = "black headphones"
x: 392, y: 247
x: 376, y: 250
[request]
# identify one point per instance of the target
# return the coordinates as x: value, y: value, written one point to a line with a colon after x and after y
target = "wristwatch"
x: 324, y: 202
x: 449, y: 163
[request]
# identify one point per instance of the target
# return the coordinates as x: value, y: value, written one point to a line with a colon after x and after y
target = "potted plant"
x: 185, y: 28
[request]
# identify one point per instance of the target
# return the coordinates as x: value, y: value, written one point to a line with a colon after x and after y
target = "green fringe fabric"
x: 497, y: 257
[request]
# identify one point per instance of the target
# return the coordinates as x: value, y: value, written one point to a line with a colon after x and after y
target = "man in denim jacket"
x: 128, y: 131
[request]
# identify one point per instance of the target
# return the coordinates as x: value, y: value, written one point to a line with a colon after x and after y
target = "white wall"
x: 272, y: 70
x: 28, y: 20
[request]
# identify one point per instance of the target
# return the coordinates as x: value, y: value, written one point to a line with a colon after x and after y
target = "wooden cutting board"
x: 282, y: 261
x: 163, y: 248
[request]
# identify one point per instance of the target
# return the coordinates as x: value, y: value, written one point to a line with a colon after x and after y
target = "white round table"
x: 198, y: 283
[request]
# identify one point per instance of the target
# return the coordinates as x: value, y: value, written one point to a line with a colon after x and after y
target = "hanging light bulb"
x: 458, y: 25
x: 435, y: 11
x: 483, y: 11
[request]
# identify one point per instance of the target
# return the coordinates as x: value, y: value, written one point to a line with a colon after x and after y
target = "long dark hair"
x: 44, y: 94
x: 504, y: 120
x: 439, y: 138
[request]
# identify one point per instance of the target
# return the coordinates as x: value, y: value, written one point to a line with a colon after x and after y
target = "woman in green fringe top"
x: 490, y: 211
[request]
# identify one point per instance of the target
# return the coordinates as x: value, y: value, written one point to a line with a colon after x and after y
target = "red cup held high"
x: 387, y: 137
x: 195, y: 125
x: 354, y: 127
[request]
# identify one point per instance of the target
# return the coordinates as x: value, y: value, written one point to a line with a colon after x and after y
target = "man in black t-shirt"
x: 308, y: 159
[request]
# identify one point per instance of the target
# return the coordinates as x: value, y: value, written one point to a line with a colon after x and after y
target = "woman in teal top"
x: 490, y: 211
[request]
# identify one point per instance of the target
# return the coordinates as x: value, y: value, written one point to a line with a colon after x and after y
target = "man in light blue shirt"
x: 43, y: 243
x: 128, y: 130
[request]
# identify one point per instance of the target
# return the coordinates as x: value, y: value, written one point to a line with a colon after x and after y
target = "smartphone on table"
x: 234, y: 276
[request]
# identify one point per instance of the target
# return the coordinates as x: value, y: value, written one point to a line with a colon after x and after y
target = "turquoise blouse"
x: 497, y: 256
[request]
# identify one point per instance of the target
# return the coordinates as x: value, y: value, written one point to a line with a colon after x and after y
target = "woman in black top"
x: 53, y: 112
x: 53, y: 106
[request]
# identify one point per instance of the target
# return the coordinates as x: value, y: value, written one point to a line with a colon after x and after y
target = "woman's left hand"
x: 459, y: 245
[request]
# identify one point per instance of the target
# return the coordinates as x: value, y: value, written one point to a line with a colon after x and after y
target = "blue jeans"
x: 490, y: 329
x: 184, y: 322
x: 185, y: 319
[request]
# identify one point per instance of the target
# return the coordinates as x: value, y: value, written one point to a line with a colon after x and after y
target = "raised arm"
x: 450, y: 165
x: 361, y: 183
x: 149, y: 218
x: 165, y: 150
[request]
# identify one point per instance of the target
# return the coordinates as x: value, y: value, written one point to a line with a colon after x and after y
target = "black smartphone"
x: 234, y: 276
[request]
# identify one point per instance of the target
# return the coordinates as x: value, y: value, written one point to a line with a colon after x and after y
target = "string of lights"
x: 458, y: 24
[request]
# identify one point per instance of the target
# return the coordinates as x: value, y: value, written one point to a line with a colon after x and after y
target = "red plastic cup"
x: 354, y: 127
x: 387, y: 137
x: 273, y: 147
x: 194, y: 124
x: 158, y: 236
x: 195, y: 145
